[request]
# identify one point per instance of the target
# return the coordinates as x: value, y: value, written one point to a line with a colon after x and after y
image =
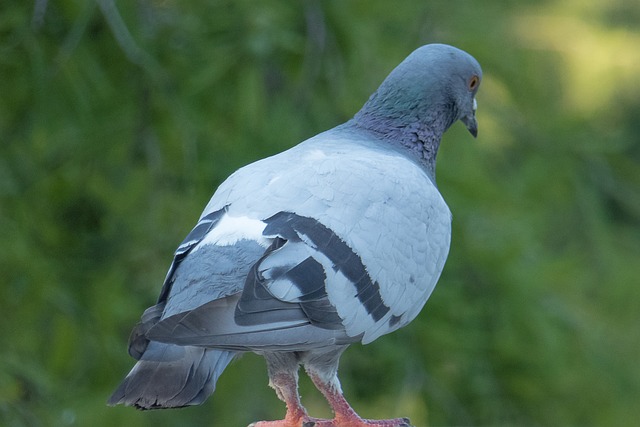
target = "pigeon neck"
x: 418, y: 137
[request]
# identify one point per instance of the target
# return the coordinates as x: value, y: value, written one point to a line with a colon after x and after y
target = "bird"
x: 338, y: 240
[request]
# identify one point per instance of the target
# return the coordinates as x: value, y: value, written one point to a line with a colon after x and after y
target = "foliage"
x: 117, y: 121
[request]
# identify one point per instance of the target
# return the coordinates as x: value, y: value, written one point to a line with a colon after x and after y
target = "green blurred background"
x: 118, y: 120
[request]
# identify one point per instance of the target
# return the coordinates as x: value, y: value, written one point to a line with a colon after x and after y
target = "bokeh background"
x: 119, y: 119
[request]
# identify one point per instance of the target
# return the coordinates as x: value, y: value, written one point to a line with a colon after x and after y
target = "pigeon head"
x: 430, y: 90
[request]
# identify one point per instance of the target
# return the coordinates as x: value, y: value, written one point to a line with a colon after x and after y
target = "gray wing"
x: 283, y: 304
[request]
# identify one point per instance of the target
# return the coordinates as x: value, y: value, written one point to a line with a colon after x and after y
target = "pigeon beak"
x: 470, y: 120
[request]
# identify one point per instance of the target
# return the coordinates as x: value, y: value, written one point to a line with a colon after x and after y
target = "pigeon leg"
x: 286, y: 387
x: 345, y: 416
x: 283, y: 378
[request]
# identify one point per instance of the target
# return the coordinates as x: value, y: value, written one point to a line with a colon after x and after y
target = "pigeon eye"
x: 473, y: 83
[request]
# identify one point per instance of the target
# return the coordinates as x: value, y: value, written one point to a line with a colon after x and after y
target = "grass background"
x: 119, y: 119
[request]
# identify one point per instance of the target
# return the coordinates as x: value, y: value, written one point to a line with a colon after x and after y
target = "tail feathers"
x: 171, y: 376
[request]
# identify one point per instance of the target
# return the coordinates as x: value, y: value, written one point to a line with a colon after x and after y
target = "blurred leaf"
x: 119, y: 119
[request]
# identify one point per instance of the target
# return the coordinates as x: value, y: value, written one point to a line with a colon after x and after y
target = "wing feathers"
x: 202, y: 228
x: 212, y: 325
x: 342, y: 257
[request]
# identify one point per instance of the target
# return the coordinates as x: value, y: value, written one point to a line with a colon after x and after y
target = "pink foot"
x: 345, y: 415
x: 286, y: 386
x: 317, y: 422
x: 304, y: 421
x: 359, y: 422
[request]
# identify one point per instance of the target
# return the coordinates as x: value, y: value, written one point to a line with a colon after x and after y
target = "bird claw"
x: 316, y: 422
x: 305, y: 422
x: 398, y: 422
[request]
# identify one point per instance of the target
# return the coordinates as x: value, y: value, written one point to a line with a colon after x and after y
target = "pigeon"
x: 338, y: 240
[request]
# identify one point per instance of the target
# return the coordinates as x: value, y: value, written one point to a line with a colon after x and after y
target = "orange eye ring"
x: 474, y: 82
